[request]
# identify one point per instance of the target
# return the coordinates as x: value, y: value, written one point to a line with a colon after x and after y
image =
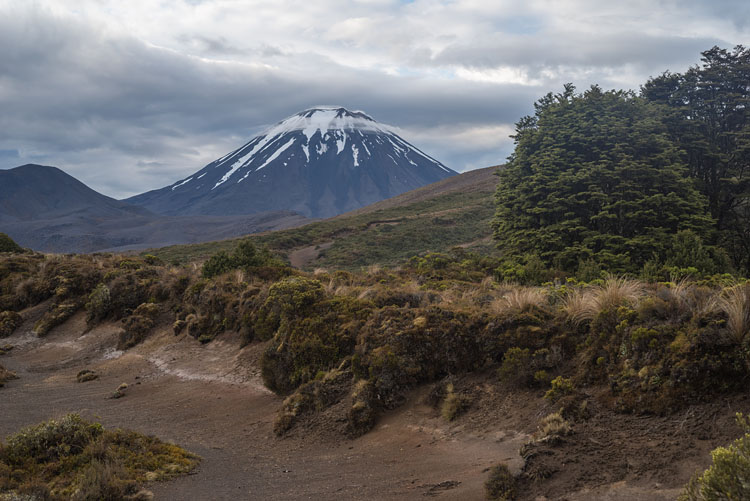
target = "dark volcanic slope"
x: 45, y: 209
x: 32, y: 192
x: 320, y: 163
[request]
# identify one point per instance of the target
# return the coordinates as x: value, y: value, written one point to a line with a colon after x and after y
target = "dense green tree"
x: 595, y: 176
x: 245, y: 256
x: 707, y: 110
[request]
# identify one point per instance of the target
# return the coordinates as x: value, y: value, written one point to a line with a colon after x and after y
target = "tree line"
x: 648, y: 182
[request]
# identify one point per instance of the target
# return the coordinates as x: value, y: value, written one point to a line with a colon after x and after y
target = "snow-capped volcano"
x: 320, y: 162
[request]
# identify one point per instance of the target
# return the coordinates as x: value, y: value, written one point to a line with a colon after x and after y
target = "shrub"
x: 56, y: 316
x: 552, y: 428
x: 559, y: 387
x: 729, y: 475
x: 8, y: 245
x: 98, y: 305
x: 70, y: 458
x: 135, y: 330
x: 363, y: 413
x: 454, y: 404
x: 9, y: 322
x: 245, y: 256
x: 49, y: 441
x: 516, y: 367
x: 501, y: 484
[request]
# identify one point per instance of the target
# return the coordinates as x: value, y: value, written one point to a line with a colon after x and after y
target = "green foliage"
x: 9, y: 322
x: 310, y: 331
x: 54, y: 317
x: 594, y: 176
x: 706, y: 109
x: 501, y: 484
x: 99, y: 304
x: 559, y: 387
x: 245, y: 256
x: 729, y: 475
x: 49, y: 441
x: 8, y: 245
x: 138, y: 325
x: 384, y: 237
x: 516, y: 367
x: 70, y: 458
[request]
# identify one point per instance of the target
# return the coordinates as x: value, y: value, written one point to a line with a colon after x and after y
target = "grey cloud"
x: 125, y: 116
x: 106, y: 108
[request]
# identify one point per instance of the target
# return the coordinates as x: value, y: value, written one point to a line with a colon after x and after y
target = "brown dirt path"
x: 209, y: 399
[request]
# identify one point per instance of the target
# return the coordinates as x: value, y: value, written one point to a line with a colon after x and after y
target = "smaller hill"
x: 32, y: 192
x: 454, y: 212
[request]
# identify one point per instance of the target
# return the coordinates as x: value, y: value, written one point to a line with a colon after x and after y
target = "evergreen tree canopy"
x: 707, y: 110
x: 595, y: 176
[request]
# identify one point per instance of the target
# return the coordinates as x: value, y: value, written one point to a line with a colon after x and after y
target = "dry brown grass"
x: 735, y: 303
x: 552, y: 427
x: 582, y: 305
x: 521, y: 299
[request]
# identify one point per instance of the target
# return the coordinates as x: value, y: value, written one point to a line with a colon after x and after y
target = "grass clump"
x: 729, y: 475
x: 454, y: 403
x: 9, y: 322
x: 71, y: 458
x: 501, y: 484
x: 86, y: 375
x: 552, y: 428
x: 735, y: 303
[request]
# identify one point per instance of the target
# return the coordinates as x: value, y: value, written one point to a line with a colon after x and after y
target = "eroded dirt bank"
x: 209, y: 399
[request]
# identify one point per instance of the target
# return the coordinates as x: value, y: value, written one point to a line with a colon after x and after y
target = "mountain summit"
x: 320, y: 162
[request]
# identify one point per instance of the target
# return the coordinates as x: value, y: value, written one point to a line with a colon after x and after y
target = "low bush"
x: 8, y: 245
x: 70, y: 458
x: 559, y: 387
x: 54, y: 317
x: 9, y: 322
x: 454, y: 404
x: 501, y: 484
x: 729, y: 475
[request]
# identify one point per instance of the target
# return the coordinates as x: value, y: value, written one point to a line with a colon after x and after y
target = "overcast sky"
x: 133, y: 95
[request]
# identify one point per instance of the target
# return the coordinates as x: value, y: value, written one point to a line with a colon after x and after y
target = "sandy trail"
x: 209, y: 399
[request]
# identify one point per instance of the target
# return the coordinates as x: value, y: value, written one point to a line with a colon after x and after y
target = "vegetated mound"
x: 320, y: 162
x: 352, y: 346
x: 8, y: 245
x: 70, y: 458
x: 450, y: 213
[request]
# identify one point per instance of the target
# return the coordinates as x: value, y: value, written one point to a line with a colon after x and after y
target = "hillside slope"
x: 45, y: 209
x: 452, y: 212
x: 32, y: 192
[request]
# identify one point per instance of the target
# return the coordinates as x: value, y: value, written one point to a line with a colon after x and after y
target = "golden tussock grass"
x: 582, y: 305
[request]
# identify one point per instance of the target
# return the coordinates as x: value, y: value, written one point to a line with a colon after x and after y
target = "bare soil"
x: 209, y: 399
